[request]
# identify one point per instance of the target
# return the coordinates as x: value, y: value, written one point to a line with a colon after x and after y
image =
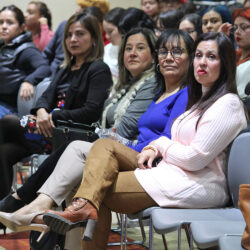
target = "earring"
x: 94, y: 44
x: 158, y: 68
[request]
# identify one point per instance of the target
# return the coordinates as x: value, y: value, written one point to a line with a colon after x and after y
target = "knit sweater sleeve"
x: 43, y: 38
x: 218, y: 127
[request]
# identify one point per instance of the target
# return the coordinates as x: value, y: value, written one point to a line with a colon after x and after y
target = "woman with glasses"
x: 191, y: 23
x: 191, y: 173
x: 242, y: 37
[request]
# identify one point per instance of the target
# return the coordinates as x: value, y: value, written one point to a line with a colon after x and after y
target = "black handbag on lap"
x: 66, y: 131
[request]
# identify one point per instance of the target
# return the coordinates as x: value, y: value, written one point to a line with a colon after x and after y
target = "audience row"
x: 172, y: 95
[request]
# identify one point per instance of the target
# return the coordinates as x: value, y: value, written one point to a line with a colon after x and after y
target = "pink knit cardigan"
x: 192, y: 172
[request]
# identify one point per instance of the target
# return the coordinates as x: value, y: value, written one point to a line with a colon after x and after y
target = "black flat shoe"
x: 9, y: 204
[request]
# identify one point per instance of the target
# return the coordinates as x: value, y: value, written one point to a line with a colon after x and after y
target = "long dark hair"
x: 171, y: 35
x: 134, y: 18
x: 170, y: 19
x: 226, y: 80
x: 114, y: 16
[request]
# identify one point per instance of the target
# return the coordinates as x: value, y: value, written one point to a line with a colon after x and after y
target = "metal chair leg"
x: 179, y: 238
x: 164, y: 242
x: 122, y: 230
x: 189, y: 236
x: 125, y: 231
x: 142, y: 232
x: 150, y: 240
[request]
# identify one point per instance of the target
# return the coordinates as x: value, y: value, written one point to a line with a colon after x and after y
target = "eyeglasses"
x: 242, y: 26
x: 175, y: 53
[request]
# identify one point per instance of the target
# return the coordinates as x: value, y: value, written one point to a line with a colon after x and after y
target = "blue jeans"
x: 6, y: 109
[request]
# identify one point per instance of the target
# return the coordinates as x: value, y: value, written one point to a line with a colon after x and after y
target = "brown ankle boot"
x: 244, y: 205
x: 80, y: 213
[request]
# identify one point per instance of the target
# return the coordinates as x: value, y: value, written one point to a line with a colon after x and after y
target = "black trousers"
x: 13, y: 147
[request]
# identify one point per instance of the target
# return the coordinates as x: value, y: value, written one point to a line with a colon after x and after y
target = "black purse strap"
x: 72, y: 124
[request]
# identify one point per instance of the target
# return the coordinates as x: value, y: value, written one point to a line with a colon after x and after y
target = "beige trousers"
x: 67, y: 173
x: 109, y: 183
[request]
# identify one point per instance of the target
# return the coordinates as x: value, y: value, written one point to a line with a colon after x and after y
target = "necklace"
x: 167, y: 94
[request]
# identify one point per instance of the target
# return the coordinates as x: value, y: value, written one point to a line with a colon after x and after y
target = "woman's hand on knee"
x: 26, y: 91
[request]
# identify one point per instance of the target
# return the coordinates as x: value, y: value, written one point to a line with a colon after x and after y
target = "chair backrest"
x: 23, y: 106
x: 238, y: 171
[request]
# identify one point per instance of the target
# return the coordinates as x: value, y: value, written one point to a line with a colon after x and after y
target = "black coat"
x: 84, y: 98
x: 20, y: 61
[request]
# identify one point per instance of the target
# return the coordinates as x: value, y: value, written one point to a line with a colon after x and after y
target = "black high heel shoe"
x: 2, y: 226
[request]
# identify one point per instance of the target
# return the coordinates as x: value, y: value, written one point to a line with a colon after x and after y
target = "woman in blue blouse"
x: 173, y: 48
x: 158, y: 118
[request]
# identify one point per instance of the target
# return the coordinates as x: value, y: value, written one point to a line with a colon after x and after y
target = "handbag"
x: 244, y: 205
x: 67, y: 131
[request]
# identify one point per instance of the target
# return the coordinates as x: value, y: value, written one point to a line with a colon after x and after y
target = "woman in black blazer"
x: 77, y: 93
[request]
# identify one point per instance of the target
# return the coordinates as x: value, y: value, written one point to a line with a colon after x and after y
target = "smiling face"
x: 151, y: 7
x: 242, y: 37
x: 174, y: 67
x: 137, y: 54
x: 32, y: 16
x: 211, y: 21
x: 78, y: 41
x: 112, y: 33
x: 187, y: 26
x: 207, y: 63
x: 9, y: 26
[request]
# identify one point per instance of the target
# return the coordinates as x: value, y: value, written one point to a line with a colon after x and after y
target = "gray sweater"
x: 126, y: 126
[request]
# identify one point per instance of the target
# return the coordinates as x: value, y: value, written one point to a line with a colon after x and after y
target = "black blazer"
x: 84, y: 98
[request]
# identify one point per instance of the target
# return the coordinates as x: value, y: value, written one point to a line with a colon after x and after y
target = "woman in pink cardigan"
x: 191, y: 173
x: 38, y: 21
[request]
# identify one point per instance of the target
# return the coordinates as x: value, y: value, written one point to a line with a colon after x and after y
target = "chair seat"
x: 166, y: 220
x: 142, y: 214
x: 206, y: 233
x: 230, y: 242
